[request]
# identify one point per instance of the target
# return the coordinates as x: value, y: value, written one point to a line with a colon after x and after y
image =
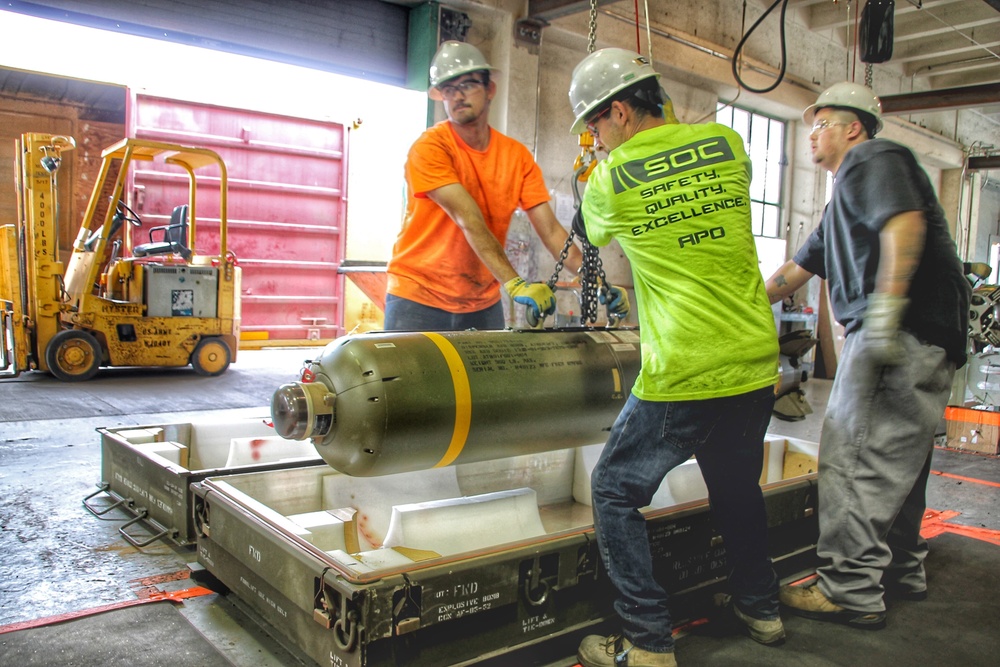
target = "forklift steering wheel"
x: 128, y: 215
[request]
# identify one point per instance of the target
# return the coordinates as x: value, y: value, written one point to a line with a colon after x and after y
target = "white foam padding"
x: 174, y: 452
x: 686, y: 483
x: 583, y: 466
x: 369, y: 561
x: 254, y: 506
x: 245, y: 451
x: 210, y: 441
x: 326, y: 532
x: 458, y: 525
x: 374, y: 497
x: 140, y: 436
x: 550, y: 474
x: 774, y: 459
x: 347, y: 561
x: 803, y: 447
x: 586, y: 459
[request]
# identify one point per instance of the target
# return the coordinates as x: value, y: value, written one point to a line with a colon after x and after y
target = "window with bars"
x: 765, y: 144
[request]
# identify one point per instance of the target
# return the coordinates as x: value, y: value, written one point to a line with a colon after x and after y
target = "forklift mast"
x: 31, y: 285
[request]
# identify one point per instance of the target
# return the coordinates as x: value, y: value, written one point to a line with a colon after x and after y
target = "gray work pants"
x: 874, y: 457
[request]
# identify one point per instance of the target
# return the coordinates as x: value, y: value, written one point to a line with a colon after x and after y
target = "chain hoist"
x: 591, y: 275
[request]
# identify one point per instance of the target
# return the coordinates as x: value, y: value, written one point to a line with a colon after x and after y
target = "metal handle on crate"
x: 345, y: 628
x: 143, y: 515
x: 343, y: 622
x: 101, y: 488
x: 536, y: 589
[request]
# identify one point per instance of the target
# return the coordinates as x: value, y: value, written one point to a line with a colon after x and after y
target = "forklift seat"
x: 174, y: 237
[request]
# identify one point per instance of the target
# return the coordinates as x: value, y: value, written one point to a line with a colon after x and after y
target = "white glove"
x: 881, y: 327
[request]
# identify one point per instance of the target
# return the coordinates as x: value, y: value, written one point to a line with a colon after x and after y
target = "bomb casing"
x: 389, y: 402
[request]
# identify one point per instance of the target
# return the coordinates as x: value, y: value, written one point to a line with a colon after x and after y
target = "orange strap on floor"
x: 935, y: 523
x: 170, y: 596
x: 965, y: 479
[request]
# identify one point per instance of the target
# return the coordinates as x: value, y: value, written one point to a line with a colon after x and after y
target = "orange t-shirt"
x: 432, y: 262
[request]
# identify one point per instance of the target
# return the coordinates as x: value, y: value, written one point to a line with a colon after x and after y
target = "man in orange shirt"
x: 464, y: 182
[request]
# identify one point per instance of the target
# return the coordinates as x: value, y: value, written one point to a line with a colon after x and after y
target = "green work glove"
x: 616, y: 299
x: 881, y: 326
x: 538, y: 298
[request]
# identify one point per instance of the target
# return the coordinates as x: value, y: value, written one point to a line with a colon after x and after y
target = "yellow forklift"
x: 127, y: 296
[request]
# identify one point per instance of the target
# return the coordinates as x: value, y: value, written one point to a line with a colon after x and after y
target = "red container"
x: 287, y: 208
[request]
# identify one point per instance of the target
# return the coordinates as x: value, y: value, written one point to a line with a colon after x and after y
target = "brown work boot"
x: 728, y: 618
x: 809, y: 602
x: 769, y: 633
x: 616, y: 651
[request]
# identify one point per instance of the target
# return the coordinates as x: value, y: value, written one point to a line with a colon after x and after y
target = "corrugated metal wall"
x: 287, y: 208
x: 360, y: 38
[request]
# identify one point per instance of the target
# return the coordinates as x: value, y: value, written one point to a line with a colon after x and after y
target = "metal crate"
x: 392, y: 605
x: 146, y: 471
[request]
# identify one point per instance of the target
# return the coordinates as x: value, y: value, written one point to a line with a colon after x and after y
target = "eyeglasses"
x: 821, y: 125
x: 449, y: 90
x: 592, y: 123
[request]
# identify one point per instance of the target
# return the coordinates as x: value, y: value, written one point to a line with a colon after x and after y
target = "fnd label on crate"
x: 473, y: 593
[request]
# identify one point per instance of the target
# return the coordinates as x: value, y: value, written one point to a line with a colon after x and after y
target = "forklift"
x: 127, y: 296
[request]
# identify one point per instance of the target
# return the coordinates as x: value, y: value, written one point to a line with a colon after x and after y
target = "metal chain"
x: 592, y: 35
x: 868, y: 76
x: 551, y: 282
x: 591, y: 277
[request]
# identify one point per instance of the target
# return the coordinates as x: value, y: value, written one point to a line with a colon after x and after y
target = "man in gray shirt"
x: 897, y: 286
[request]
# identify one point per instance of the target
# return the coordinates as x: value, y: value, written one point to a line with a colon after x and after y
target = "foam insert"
x: 374, y: 497
x: 268, y: 449
x: 458, y: 525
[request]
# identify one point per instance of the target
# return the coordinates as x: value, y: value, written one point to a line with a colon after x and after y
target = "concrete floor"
x: 59, y: 559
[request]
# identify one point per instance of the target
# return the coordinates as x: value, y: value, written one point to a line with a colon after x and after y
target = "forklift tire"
x: 211, y: 357
x: 73, y: 355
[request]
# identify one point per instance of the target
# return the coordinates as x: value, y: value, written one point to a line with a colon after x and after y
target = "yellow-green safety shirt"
x: 677, y: 199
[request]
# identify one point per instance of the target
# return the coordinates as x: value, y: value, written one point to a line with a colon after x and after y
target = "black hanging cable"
x: 784, y: 57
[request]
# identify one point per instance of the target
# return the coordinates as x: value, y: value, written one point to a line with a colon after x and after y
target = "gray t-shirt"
x: 877, y: 180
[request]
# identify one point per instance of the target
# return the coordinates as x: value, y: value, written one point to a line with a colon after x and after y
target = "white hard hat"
x: 599, y: 76
x: 453, y: 59
x: 849, y: 96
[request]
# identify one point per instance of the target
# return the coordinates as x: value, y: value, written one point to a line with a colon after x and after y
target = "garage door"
x: 361, y: 38
x: 286, y: 209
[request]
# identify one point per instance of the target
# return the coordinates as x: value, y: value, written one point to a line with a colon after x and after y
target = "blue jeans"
x: 647, y: 441
x: 405, y: 315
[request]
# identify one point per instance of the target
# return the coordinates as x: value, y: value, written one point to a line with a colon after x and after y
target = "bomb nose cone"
x: 290, y: 412
x: 302, y: 410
